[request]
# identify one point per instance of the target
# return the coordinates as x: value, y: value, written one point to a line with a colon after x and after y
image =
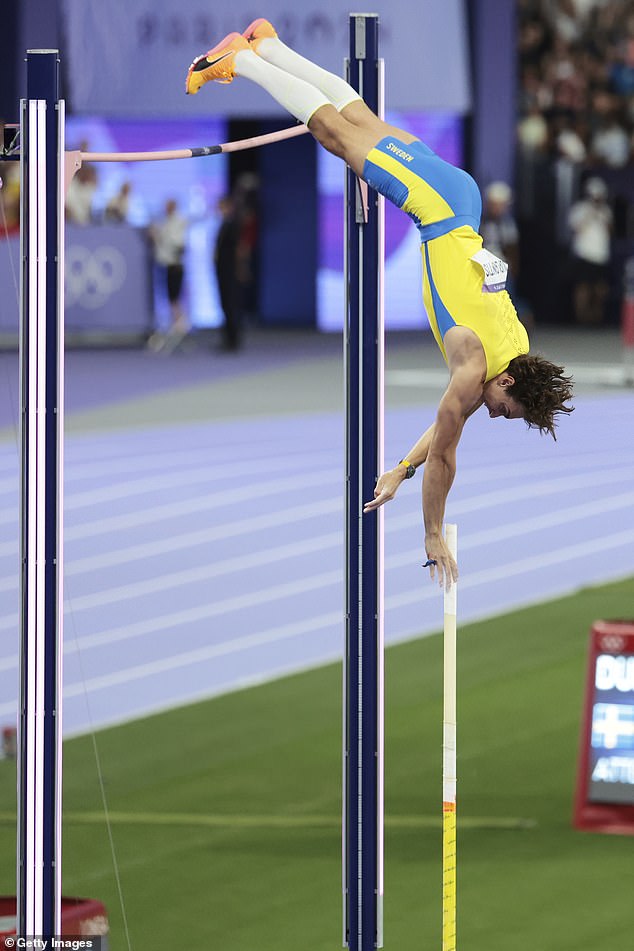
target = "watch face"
x: 411, y: 472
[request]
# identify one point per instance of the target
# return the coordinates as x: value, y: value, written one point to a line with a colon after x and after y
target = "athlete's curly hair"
x: 542, y: 389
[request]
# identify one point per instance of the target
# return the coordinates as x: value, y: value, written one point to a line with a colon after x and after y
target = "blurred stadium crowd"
x: 575, y: 158
x: 576, y: 61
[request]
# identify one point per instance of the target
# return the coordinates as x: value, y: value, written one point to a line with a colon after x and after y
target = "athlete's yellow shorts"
x: 445, y: 204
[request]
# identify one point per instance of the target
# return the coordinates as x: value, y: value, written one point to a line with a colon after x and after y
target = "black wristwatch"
x: 410, y: 470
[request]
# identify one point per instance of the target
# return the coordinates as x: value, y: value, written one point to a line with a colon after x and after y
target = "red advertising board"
x: 604, y: 799
x: 80, y: 917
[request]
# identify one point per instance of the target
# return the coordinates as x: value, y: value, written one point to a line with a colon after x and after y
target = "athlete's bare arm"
x: 467, y: 366
x: 463, y: 348
x: 389, y: 482
x: 455, y: 408
x: 437, y: 446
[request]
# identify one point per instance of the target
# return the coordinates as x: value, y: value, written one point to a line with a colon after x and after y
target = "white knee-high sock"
x: 300, y: 98
x: 336, y: 89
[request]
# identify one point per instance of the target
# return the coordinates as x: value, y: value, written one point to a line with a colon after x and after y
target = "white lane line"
x: 472, y: 476
x: 487, y: 576
x: 329, y: 578
x: 204, y: 503
x: 166, y: 481
x: 563, y: 485
x: 494, y: 574
x: 320, y: 543
x: 181, y: 460
x: 430, y: 377
x: 520, y: 492
x: 579, y: 463
x: 475, y: 503
x: 333, y: 540
x: 192, y: 615
x: 589, y: 548
x: 187, y: 540
x: 535, y: 523
x: 590, y: 374
x: 174, y: 469
x: 200, y: 655
x: 327, y: 477
x: 508, y: 530
x: 160, y: 546
x: 567, y: 483
x: 235, y: 436
x: 272, y: 636
x: 217, y: 569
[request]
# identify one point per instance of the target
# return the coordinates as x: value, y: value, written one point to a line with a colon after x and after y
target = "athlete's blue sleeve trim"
x: 443, y: 318
x: 438, y: 228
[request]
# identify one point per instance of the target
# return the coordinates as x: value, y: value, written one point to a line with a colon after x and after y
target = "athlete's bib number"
x: 495, y: 270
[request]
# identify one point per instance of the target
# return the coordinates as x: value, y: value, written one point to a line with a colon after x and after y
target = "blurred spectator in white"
x: 565, y: 18
x: 532, y: 131
x: 500, y: 236
x: 590, y: 221
x: 570, y: 145
x: 168, y: 237
x: 81, y: 193
x: 117, y: 209
x: 583, y: 8
x: 498, y: 229
x: 610, y: 143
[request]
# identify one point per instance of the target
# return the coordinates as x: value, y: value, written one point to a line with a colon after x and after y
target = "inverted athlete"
x: 471, y: 315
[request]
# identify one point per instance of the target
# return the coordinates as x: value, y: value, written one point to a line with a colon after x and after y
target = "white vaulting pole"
x: 449, y: 772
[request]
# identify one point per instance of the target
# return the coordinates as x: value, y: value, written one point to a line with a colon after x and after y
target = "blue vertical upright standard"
x: 41, y: 464
x: 363, y: 668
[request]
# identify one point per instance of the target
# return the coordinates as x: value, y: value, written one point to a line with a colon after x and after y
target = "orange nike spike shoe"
x: 217, y: 65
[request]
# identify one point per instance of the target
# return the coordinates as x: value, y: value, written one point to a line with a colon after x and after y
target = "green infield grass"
x: 225, y: 815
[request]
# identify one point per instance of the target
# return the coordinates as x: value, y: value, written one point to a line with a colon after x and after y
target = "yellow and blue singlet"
x: 445, y: 204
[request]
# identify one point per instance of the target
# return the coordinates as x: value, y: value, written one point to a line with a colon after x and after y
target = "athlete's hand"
x: 445, y: 568
x: 386, y: 487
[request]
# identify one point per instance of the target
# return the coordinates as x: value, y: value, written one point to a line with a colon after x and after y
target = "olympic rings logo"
x: 613, y: 643
x: 93, y: 276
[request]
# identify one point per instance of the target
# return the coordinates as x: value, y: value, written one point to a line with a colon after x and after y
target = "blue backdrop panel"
x: 288, y: 231
x: 107, y: 280
x: 424, y: 45
x: 9, y: 267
